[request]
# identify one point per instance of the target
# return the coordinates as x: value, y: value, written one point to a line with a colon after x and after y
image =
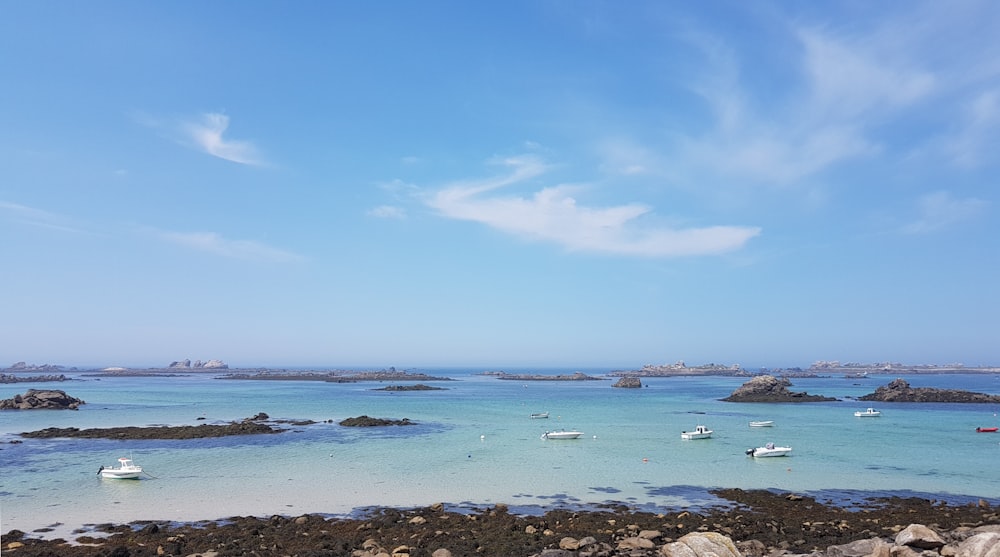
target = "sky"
x: 549, y: 183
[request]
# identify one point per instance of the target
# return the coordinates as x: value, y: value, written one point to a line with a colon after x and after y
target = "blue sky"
x: 505, y: 184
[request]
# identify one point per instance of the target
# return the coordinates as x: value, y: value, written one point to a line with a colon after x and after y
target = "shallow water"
x: 475, y: 445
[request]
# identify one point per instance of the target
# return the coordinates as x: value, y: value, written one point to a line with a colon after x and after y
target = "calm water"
x: 475, y: 446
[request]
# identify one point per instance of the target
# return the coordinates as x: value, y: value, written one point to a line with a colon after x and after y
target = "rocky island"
x: 37, y: 399
x: 366, y: 421
x: 578, y: 376
x: 900, y: 390
x: 767, y: 388
x: 404, y: 388
x: 390, y: 374
x: 248, y: 426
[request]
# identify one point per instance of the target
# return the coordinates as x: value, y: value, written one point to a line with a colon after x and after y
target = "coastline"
x: 759, y: 522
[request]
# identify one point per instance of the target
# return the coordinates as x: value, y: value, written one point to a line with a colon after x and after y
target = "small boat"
x: 700, y: 432
x: 538, y: 415
x: 126, y: 470
x: 986, y: 429
x: 768, y: 450
x: 868, y: 413
x: 763, y: 423
x: 561, y: 434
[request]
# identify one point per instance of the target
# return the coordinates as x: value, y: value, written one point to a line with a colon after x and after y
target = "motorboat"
x: 768, y: 450
x: 762, y: 423
x: 868, y: 413
x: 986, y: 429
x: 700, y: 432
x: 538, y: 415
x: 561, y: 434
x: 126, y: 470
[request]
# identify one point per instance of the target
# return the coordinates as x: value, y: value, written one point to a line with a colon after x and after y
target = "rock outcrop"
x: 36, y: 399
x: 899, y: 390
x: 249, y: 426
x: 767, y: 388
x: 628, y: 383
x: 366, y: 421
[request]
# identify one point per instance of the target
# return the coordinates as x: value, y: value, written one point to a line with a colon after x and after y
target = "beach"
x: 758, y: 523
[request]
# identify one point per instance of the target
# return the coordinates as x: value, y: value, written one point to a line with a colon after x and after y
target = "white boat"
x: 768, y: 450
x: 561, y: 434
x: 126, y: 470
x: 700, y: 432
x: 763, y: 423
x: 538, y: 415
x: 869, y: 413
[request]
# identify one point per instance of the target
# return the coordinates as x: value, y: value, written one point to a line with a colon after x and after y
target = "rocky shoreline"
x: 752, y: 524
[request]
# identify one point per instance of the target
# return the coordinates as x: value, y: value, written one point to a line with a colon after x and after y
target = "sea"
x: 473, y: 445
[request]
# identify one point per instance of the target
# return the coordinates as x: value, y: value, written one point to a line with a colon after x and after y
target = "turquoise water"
x: 475, y: 446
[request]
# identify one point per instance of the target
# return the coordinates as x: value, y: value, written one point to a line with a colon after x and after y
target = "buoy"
x: 645, y: 460
x: 482, y: 437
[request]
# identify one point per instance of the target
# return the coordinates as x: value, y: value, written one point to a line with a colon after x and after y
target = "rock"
x: 635, y: 542
x: 874, y: 547
x: 36, y: 399
x: 919, y: 536
x: 628, y: 383
x: 441, y: 552
x: 898, y: 390
x: 569, y: 543
x: 215, y: 364
x: 181, y: 364
x: 980, y: 545
x: 365, y: 421
x: 767, y: 388
x: 701, y: 544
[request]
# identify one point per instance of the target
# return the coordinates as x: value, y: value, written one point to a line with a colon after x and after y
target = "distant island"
x: 820, y: 368
x: 578, y: 376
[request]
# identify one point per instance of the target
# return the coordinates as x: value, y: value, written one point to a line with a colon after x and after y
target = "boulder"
x: 701, y: 544
x: 39, y: 399
x: 919, y: 536
x: 980, y: 545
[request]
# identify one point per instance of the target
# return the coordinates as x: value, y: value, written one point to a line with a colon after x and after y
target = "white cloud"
x: 941, y: 209
x: 40, y: 218
x: 211, y: 242
x: 979, y: 137
x: 551, y: 214
x: 387, y: 212
x: 847, y: 87
x: 207, y: 135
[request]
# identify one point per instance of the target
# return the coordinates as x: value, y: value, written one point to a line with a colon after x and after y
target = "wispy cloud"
x: 940, y: 209
x: 552, y: 214
x: 214, y: 243
x: 40, y: 218
x: 387, y: 212
x: 978, y: 138
x: 848, y: 86
x: 207, y: 134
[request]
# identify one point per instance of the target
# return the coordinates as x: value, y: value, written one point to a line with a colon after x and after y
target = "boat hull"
x: 562, y: 434
x: 762, y: 424
x: 764, y: 452
x: 986, y: 429
x: 121, y: 474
